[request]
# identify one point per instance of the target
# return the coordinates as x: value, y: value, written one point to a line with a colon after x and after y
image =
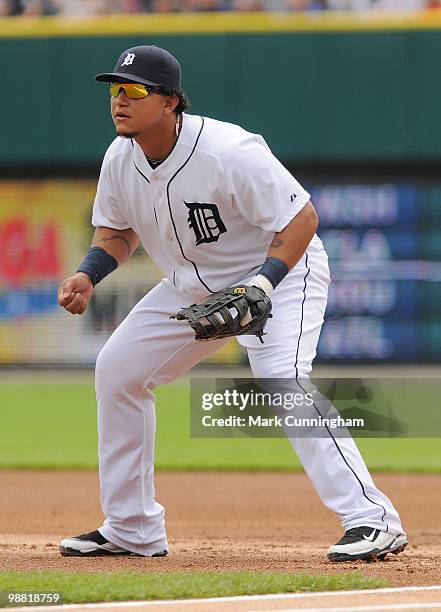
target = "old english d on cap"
x: 145, y: 64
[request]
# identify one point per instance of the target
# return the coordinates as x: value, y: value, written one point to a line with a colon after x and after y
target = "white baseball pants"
x: 149, y: 349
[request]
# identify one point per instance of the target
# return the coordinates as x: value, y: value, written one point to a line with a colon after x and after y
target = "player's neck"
x: 159, y: 142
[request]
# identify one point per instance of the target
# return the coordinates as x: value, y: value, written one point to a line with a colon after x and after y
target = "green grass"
x: 124, y: 586
x: 53, y: 425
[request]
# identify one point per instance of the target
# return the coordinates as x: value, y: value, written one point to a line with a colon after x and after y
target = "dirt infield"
x: 216, y: 521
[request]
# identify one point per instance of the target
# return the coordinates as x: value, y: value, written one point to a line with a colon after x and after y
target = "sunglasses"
x: 132, y: 90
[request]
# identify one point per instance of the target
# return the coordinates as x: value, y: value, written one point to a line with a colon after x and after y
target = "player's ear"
x: 170, y: 104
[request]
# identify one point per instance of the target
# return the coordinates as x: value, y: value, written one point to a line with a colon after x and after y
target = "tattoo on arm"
x: 276, y: 243
x: 115, y: 237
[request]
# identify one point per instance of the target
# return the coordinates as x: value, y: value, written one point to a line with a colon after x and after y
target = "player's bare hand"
x: 75, y: 293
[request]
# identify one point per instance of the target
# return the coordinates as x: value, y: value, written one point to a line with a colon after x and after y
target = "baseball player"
x: 220, y: 216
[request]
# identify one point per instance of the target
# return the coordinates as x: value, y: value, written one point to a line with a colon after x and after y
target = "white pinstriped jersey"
x: 207, y: 214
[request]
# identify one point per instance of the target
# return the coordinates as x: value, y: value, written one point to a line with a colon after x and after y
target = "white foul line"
x: 355, y: 608
x: 238, y: 598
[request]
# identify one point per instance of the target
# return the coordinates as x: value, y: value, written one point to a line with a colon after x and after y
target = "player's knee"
x: 280, y: 368
x: 105, y: 374
x: 116, y: 374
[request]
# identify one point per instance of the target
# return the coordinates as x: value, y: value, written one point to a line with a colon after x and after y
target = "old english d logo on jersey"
x: 205, y: 221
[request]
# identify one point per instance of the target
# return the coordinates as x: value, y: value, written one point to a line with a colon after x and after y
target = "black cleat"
x: 367, y: 543
x: 94, y: 544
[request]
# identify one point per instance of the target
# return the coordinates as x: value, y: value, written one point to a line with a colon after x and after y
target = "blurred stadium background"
x: 348, y: 100
x: 103, y: 7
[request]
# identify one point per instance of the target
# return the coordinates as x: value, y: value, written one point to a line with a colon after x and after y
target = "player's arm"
x: 287, y: 248
x: 290, y: 244
x: 109, y: 249
x: 121, y: 244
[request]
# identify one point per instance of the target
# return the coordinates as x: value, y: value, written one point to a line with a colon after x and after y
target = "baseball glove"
x: 220, y: 316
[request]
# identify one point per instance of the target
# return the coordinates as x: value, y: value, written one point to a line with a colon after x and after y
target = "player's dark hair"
x: 183, y: 103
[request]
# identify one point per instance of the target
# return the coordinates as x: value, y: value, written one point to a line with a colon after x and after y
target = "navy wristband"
x: 274, y: 270
x: 97, y: 264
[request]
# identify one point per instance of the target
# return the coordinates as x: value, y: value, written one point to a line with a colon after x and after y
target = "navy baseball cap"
x: 145, y: 64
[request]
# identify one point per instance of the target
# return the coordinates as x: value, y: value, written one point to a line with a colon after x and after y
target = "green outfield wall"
x: 331, y: 88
